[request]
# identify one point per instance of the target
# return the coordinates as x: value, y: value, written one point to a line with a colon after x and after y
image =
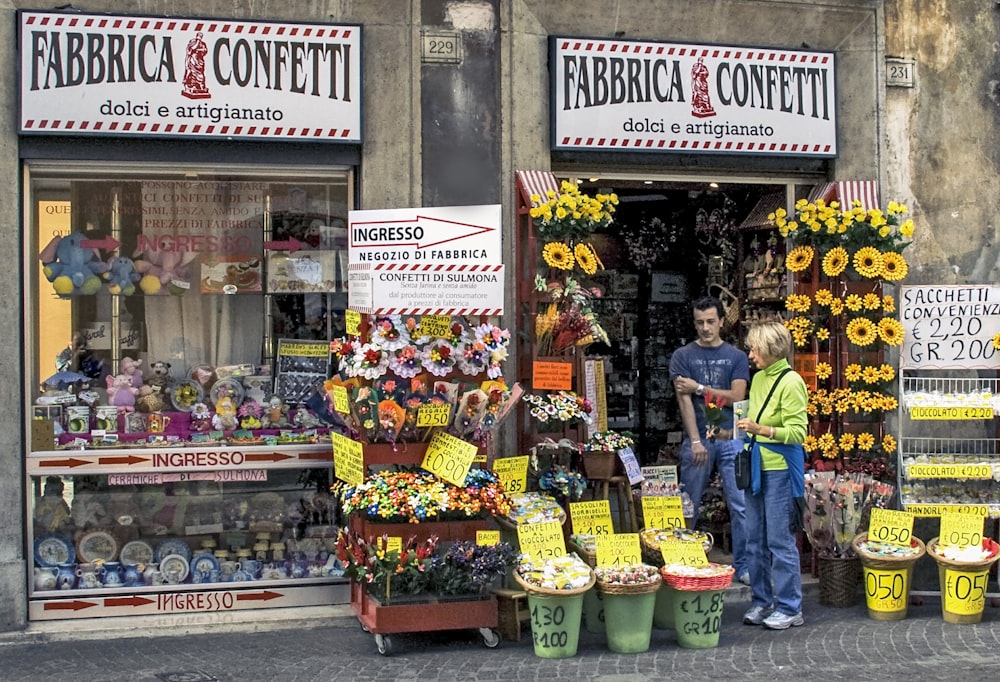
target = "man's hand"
x: 699, y: 454
x: 685, y: 385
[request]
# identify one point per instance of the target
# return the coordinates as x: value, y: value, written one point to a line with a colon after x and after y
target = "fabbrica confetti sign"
x: 130, y: 75
x: 669, y: 97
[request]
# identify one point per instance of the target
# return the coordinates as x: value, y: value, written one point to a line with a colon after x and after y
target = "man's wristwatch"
x: 700, y: 390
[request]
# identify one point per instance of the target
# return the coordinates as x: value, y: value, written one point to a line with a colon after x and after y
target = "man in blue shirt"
x: 709, y: 364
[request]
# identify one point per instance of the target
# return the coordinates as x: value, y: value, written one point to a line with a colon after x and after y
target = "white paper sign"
x: 949, y: 326
x: 632, y: 468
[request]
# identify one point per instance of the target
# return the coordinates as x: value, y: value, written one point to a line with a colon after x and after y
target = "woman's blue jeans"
x: 775, y: 573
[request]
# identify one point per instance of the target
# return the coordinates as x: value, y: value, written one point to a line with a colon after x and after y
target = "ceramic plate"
x: 172, y: 546
x: 97, y: 544
x: 174, y: 568
x: 137, y: 552
x: 52, y: 550
x: 205, y: 563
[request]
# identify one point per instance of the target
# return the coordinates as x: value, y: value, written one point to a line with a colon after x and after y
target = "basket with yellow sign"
x: 888, y: 573
x: 698, y: 578
x: 652, y: 538
x: 585, y: 547
x: 963, y: 572
x: 629, y: 602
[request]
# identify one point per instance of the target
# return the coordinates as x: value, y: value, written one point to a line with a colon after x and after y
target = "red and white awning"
x: 847, y: 191
x: 535, y: 182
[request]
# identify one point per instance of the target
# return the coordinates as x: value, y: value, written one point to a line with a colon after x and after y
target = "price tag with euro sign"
x: 685, y: 552
x: 433, y: 415
x: 662, y: 511
x: 618, y: 549
x: 341, y: 403
x: 541, y: 541
x: 352, y: 322
x: 435, y: 326
x: 591, y: 518
x: 513, y: 473
x: 348, y: 459
x: 449, y: 458
x: 961, y: 530
x: 889, y: 525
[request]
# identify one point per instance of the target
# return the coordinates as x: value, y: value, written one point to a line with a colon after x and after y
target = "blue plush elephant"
x: 122, y: 276
x: 70, y: 267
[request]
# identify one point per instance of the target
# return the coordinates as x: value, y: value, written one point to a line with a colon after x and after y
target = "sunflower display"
x: 586, y: 258
x: 861, y: 331
x: 893, y: 266
x: 868, y: 262
x: 835, y: 262
x: 799, y: 258
x: 558, y: 255
x: 890, y: 331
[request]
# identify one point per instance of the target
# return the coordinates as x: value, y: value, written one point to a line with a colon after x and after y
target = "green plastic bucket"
x: 663, y: 612
x: 698, y: 618
x: 555, y: 624
x: 593, y: 612
x: 629, y: 620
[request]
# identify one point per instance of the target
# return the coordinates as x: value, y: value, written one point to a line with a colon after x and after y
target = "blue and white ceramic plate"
x: 174, y: 568
x: 52, y: 549
x: 240, y: 576
x: 172, y: 546
x: 136, y: 552
x: 204, y: 563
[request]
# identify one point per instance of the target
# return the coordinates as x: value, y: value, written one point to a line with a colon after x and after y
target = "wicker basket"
x: 651, y: 553
x: 549, y: 592
x: 886, y: 562
x: 839, y: 580
x: 965, y: 565
x: 588, y: 556
x: 689, y: 583
x: 640, y: 588
x: 599, y: 465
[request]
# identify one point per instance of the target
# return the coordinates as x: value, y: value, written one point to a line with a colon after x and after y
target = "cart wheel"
x: 490, y: 637
x: 384, y: 644
x: 364, y: 627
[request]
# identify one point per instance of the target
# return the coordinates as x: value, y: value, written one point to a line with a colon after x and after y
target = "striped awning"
x: 847, y: 191
x: 535, y: 182
x: 767, y: 205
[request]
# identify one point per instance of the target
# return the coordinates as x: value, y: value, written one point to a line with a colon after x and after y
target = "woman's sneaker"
x: 756, y: 615
x: 782, y: 621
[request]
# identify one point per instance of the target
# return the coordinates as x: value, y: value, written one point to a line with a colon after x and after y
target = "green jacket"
x: 786, y: 410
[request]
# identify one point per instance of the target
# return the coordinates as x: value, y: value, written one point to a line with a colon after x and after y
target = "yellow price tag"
x: 352, y: 322
x: 685, y: 552
x: 435, y: 326
x: 348, y: 459
x: 341, y: 403
x: 965, y: 591
x: 618, y: 549
x: 449, y: 458
x: 488, y: 537
x: 513, y: 473
x: 979, y: 471
x: 951, y: 413
x: 961, y: 530
x: 894, y: 527
x: 433, y: 415
x: 886, y: 590
x: 662, y: 511
x: 394, y: 543
x: 541, y: 541
x: 932, y: 510
x: 591, y: 518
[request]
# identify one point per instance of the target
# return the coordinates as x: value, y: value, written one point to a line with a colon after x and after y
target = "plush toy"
x: 201, y: 418
x: 225, y: 415
x: 131, y: 368
x: 160, y: 379
x: 72, y: 269
x: 121, y: 276
x: 165, y: 271
x: 275, y: 414
x: 121, y: 393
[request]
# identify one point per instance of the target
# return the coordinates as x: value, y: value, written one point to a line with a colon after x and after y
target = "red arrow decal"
x: 316, y: 455
x: 75, y: 605
x: 266, y: 595
x: 130, y: 459
x: 127, y: 601
x: 108, y: 244
x: 267, y: 457
x: 436, y: 230
x: 71, y: 462
x: 291, y: 245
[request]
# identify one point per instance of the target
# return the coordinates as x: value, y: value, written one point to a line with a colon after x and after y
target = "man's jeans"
x: 721, y: 454
x: 771, y: 549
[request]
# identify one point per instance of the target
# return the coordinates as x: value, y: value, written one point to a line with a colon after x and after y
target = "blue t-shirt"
x: 717, y: 367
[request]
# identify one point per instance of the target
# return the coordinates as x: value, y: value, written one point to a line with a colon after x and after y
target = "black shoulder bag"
x: 744, y: 456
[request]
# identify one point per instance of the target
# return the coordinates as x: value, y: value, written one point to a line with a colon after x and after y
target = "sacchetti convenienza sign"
x: 670, y: 97
x: 150, y: 76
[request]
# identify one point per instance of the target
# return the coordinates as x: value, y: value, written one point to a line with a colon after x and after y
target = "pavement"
x: 327, y: 643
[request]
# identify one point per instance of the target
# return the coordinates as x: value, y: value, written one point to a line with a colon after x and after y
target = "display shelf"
x: 445, y: 531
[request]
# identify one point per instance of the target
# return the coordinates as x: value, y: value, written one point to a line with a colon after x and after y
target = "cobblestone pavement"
x: 834, y: 644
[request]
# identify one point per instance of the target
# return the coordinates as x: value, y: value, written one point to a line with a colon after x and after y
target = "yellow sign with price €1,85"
x: 541, y: 541
x: 341, y: 403
x: 961, y: 530
x: 352, y: 322
x: 889, y: 525
x: 433, y: 415
x: 487, y: 538
x: 684, y: 552
x: 348, y: 459
x: 513, y: 473
x: 662, y: 511
x: 449, y: 458
x: 591, y: 518
x: 619, y: 549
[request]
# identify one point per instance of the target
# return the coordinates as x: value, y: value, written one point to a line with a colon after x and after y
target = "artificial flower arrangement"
x: 563, y: 483
x: 412, y: 496
x: 471, y: 569
x: 715, y: 414
x: 402, y: 368
x: 564, y: 220
x: 562, y: 407
x: 609, y: 441
x: 837, y: 509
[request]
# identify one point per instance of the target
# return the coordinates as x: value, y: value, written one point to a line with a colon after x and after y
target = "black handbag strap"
x: 753, y: 438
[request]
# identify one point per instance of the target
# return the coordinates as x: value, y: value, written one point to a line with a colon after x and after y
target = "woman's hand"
x: 750, y: 426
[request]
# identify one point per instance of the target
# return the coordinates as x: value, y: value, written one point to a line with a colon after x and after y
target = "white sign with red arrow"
x: 440, y: 261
